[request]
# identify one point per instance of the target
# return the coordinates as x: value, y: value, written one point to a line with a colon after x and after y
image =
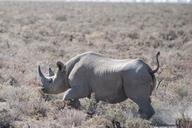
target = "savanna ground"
x: 42, y: 33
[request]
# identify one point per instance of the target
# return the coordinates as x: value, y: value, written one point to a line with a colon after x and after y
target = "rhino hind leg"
x: 146, y: 111
x: 143, y: 101
x: 138, y: 89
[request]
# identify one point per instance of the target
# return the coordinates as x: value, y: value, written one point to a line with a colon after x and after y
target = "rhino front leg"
x: 72, y: 96
x: 72, y: 104
x: 92, y: 105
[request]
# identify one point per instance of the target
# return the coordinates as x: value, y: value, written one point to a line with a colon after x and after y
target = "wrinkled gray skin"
x: 111, y: 80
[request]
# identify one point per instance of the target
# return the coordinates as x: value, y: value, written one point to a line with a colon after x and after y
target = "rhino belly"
x: 112, y: 98
x: 107, y: 86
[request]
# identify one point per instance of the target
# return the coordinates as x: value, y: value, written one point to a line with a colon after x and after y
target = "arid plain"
x: 33, y: 33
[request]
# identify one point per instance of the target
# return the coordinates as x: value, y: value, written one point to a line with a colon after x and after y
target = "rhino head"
x: 54, y: 83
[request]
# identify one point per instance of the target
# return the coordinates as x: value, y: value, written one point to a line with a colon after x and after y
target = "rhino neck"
x: 67, y: 80
x: 69, y: 67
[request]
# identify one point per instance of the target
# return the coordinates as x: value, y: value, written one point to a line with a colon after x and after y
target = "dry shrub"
x: 184, y: 122
x: 116, y: 114
x: 95, y: 35
x: 3, y: 28
x: 187, y: 48
x: 61, y: 18
x: 133, y: 35
x: 45, y: 31
x: 182, y: 92
x: 12, y: 81
x: 26, y: 33
x: 33, y: 108
x: 6, y: 120
x: 153, y: 41
x: 163, y: 117
x: 166, y: 116
x: 137, y: 123
x: 70, y: 117
x: 92, y: 104
x: 27, y: 20
x: 58, y: 104
x: 109, y: 113
x: 170, y: 35
x: 181, y: 88
x: 24, y: 103
x: 98, y: 121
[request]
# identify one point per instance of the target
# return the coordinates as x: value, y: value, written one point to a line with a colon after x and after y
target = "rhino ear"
x: 61, y: 66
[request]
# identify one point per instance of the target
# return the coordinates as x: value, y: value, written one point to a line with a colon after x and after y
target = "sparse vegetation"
x: 41, y: 33
x: 137, y: 123
x: 184, y: 122
x: 6, y: 120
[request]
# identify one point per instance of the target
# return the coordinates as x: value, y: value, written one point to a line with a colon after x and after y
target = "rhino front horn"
x: 43, y: 78
x: 39, y: 71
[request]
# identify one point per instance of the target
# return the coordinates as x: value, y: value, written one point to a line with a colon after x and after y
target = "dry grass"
x: 184, y: 122
x: 42, y: 33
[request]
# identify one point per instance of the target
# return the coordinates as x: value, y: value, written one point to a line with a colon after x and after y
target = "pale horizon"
x: 121, y: 1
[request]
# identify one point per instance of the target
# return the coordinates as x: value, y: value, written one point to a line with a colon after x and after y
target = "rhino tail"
x: 157, y: 68
x: 152, y: 72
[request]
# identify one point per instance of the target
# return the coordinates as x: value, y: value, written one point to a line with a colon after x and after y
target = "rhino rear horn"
x: 51, y: 73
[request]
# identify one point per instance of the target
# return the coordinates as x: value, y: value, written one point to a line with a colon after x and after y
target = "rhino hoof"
x: 72, y: 104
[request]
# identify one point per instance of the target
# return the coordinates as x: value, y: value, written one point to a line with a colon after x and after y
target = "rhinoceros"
x: 111, y: 80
